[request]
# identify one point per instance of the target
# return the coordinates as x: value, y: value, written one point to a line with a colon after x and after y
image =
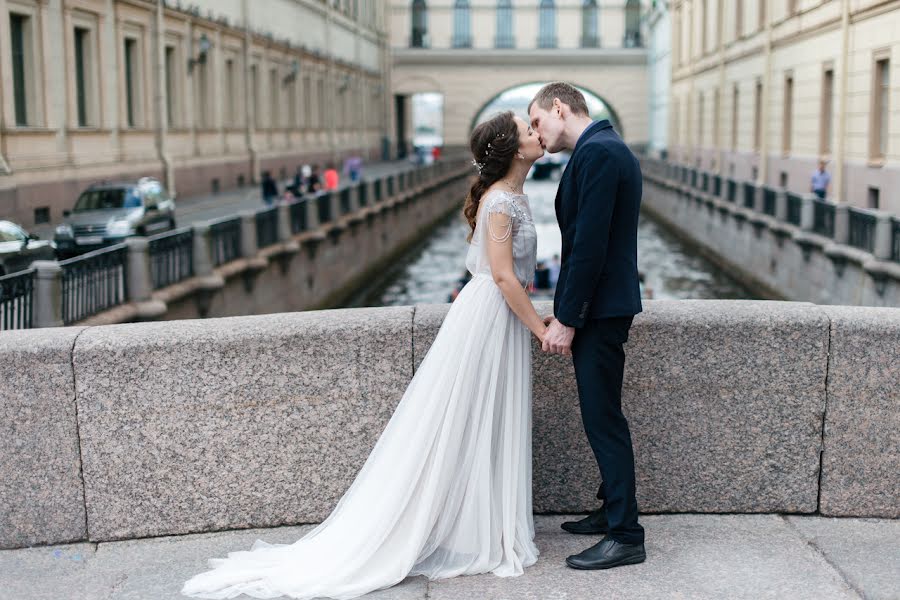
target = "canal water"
x: 431, y: 271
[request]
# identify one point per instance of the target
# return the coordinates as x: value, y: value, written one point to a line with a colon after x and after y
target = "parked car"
x: 107, y: 213
x: 18, y: 248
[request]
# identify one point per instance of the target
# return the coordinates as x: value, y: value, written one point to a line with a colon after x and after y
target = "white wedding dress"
x: 446, y: 490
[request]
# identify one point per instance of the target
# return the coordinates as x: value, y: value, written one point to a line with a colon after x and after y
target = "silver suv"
x: 107, y: 213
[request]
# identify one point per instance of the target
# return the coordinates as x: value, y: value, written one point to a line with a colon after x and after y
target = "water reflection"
x: 429, y: 273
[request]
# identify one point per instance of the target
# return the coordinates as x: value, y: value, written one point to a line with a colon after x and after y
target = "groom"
x: 597, y: 296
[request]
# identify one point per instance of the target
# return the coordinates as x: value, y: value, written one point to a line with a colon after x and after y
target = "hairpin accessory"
x: 478, y: 165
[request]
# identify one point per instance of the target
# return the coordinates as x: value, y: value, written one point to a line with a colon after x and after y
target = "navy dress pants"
x: 599, y: 367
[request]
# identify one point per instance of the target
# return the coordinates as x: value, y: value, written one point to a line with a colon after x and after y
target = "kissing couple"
x: 446, y: 490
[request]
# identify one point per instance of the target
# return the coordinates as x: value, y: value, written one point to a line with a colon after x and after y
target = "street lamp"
x: 204, y: 46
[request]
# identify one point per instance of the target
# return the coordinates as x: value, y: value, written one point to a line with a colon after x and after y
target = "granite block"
x: 233, y: 422
x: 861, y: 459
x: 724, y: 401
x: 41, y: 493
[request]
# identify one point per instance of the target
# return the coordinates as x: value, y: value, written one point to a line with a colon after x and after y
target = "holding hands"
x: 557, y: 338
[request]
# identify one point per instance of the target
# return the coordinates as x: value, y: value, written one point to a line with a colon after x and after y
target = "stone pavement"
x: 689, y: 557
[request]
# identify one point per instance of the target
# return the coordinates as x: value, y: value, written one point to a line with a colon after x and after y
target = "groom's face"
x: 549, y: 125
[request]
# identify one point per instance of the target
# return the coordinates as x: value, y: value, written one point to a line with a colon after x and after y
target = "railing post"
x: 312, y: 212
x: 248, y: 233
x: 759, y: 198
x: 284, y: 222
x: 203, y: 263
x: 781, y: 206
x: 47, y: 293
x: 808, y: 212
x: 140, y: 279
x: 842, y: 223
x: 334, y: 200
x: 884, y: 236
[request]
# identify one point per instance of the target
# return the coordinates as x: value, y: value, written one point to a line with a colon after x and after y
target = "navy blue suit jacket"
x: 597, y: 207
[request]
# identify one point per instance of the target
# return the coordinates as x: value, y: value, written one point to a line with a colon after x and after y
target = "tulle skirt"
x: 446, y: 490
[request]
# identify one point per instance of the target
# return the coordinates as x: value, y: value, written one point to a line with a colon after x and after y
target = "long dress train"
x: 446, y: 490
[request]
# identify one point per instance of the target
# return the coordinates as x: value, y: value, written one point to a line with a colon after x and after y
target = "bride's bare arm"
x: 500, y: 257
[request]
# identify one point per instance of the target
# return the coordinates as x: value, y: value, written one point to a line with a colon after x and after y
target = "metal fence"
x: 225, y: 240
x: 17, y: 300
x: 862, y: 229
x: 895, y: 239
x: 298, y: 215
x: 823, y: 217
x: 363, y: 193
x: 717, y: 185
x: 731, y: 190
x: 94, y: 282
x: 344, y: 200
x: 171, y: 257
x: 266, y: 227
x: 323, y: 206
x: 794, y: 208
x: 769, y: 201
x: 704, y: 182
x: 749, y: 194
x: 376, y: 188
x: 390, y: 185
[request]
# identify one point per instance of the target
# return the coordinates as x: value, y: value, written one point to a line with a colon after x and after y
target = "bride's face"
x: 529, y: 141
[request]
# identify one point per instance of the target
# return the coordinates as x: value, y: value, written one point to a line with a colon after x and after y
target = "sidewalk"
x: 688, y: 556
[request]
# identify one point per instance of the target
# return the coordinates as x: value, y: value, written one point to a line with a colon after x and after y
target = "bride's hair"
x: 494, y: 144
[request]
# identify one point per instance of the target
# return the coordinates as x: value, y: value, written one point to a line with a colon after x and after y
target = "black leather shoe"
x: 593, y: 524
x: 606, y: 554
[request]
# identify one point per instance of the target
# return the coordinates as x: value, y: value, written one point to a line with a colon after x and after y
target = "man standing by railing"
x: 821, y: 179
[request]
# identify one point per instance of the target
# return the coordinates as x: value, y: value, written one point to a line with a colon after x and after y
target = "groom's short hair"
x: 566, y: 93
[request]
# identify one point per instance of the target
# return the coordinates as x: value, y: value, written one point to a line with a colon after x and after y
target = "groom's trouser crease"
x: 599, y: 359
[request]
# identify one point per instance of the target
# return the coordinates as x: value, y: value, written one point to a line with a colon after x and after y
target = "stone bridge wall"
x: 146, y: 429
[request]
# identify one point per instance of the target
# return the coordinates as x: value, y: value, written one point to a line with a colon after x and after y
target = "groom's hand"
x: 548, y: 319
x: 558, y: 339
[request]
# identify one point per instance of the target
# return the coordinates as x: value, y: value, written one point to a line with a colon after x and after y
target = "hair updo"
x: 494, y: 144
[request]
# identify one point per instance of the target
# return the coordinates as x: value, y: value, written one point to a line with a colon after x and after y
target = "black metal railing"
x: 769, y: 201
x: 717, y: 185
x: 749, y: 194
x: 267, y: 227
x: 731, y: 190
x: 401, y: 181
x: 823, y: 217
x: 895, y: 239
x: 362, y: 191
x: 862, y: 229
x: 225, y: 240
x: 390, y: 186
x: 171, y: 257
x: 344, y: 199
x: 17, y: 300
x: 298, y: 215
x: 376, y: 189
x: 694, y: 178
x: 794, y: 208
x: 323, y: 207
x: 94, y: 282
x: 704, y: 182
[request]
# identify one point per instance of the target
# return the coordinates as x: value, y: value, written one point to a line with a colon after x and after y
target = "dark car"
x: 18, y: 248
x: 107, y: 213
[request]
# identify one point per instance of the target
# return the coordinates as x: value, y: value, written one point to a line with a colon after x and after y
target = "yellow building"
x: 202, y: 93
x: 763, y: 89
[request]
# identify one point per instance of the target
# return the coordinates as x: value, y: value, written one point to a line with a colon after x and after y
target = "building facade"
x: 471, y: 51
x: 204, y: 94
x: 763, y: 89
x: 659, y: 64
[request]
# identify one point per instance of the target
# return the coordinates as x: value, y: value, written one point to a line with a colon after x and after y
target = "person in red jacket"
x: 332, y: 179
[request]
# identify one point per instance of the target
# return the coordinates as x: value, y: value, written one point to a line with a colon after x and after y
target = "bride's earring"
x: 520, y: 155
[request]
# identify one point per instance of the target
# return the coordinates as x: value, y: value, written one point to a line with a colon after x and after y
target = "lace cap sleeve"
x: 501, y: 211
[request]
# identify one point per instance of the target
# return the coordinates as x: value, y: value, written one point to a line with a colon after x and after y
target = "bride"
x: 446, y: 490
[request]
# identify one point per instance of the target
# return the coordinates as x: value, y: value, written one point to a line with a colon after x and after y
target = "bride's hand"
x: 540, y: 336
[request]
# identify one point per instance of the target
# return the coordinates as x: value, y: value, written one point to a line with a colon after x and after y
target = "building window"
x: 201, y: 88
x: 462, y: 24
x: 21, y: 41
x: 739, y: 19
x: 827, y: 118
x: 734, y: 117
x: 307, y: 102
x: 880, y: 106
x: 320, y: 103
x: 788, y: 116
x: 254, y: 92
x: 274, y: 100
x: 84, y: 89
x: 505, y: 38
x: 762, y: 13
x: 228, y: 92
x: 171, y: 90
x: 633, y: 24
x: 547, y: 24
x: 757, y: 116
x: 590, y: 38
x: 132, y: 78
x: 873, y: 199
x: 293, y: 113
x: 715, y: 123
x: 704, y: 21
x: 419, y: 37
